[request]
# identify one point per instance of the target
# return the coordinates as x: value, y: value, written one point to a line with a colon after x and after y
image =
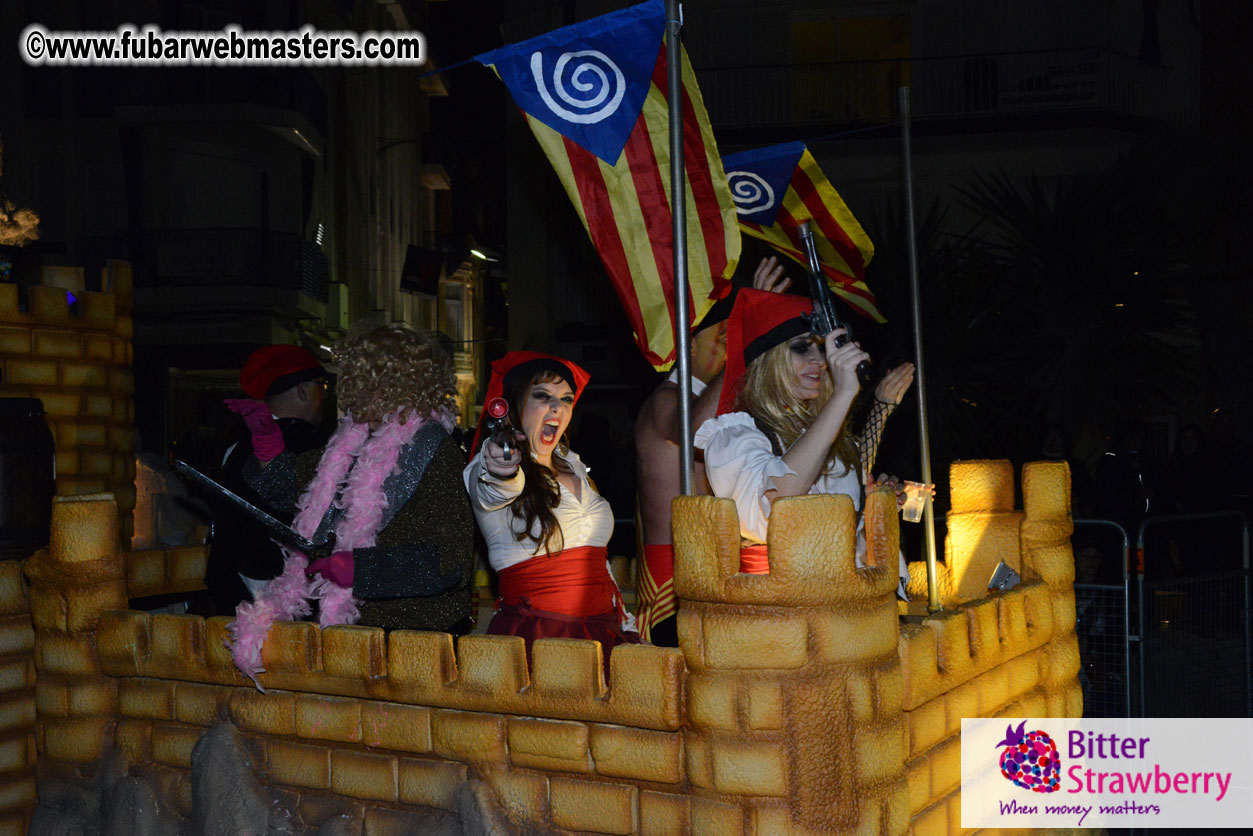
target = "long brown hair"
x: 541, y: 493
x: 767, y: 396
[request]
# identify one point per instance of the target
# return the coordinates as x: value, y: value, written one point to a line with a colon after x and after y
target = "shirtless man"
x: 657, y: 457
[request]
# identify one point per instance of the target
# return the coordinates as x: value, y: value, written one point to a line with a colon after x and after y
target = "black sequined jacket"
x: 429, y: 535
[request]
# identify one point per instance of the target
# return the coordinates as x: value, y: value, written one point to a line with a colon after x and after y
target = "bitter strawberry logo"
x: 1030, y: 760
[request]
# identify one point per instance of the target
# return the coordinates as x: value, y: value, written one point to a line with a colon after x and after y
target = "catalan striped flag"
x: 594, y: 95
x: 776, y: 189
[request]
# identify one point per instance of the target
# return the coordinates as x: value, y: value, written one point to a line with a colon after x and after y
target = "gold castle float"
x: 799, y: 702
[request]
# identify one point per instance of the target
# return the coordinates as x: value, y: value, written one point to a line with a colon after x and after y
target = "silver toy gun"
x: 499, y: 427
x: 824, y: 319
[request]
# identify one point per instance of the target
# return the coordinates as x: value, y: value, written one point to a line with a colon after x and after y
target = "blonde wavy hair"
x: 392, y: 368
x: 767, y: 396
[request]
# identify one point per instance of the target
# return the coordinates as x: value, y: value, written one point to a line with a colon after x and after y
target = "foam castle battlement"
x: 797, y: 702
x: 77, y: 359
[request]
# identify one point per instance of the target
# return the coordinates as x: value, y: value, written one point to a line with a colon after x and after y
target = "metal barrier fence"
x: 1194, y: 626
x: 1103, y: 619
x: 1101, y: 616
x: 1168, y: 633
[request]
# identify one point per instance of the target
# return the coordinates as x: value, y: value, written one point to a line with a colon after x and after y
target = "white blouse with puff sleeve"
x: 585, y: 521
x: 741, y: 466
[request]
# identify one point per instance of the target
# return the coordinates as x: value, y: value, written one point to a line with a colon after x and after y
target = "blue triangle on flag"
x: 70, y: 298
x: 759, y: 179
x: 587, y: 81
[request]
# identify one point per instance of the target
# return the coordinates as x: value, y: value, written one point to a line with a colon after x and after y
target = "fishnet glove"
x: 871, y: 435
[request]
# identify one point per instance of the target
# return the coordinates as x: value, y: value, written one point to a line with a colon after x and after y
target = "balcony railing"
x: 221, y: 258
x: 995, y: 84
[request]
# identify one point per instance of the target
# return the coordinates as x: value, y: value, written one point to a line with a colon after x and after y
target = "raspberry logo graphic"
x: 1030, y: 760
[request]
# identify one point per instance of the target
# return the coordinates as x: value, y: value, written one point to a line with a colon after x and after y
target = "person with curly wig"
x: 546, y: 527
x: 385, y: 493
x: 781, y: 423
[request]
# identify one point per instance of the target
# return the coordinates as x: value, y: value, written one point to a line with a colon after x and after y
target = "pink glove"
x: 267, y: 438
x: 337, y: 568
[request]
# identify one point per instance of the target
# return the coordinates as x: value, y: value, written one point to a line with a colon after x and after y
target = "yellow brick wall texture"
x: 1013, y: 654
x: 169, y: 571
x: 78, y: 362
x: 18, y: 696
x: 797, y: 703
x: 71, y: 582
x: 794, y: 683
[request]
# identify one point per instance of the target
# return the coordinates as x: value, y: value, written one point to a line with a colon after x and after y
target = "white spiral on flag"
x: 750, y: 192
x: 594, y: 86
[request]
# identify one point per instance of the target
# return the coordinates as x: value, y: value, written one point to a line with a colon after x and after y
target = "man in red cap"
x: 657, y: 457
x: 292, y: 383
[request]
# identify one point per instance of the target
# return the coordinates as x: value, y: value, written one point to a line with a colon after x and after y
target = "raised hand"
x: 267, y: 438
x: 843, y: 361
x: 892, y: 388
x: 769, y: 276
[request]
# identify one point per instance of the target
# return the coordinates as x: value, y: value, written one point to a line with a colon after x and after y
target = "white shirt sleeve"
x: 488, y: 492
x: 741, y: 466
x: 586, y: 520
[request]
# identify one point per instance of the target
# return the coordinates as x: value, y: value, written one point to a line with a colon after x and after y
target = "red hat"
x: 759, y: 321
x: 277, y: 368
x: 517, y: 363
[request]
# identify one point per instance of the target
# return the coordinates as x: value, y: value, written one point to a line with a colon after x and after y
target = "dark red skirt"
x: 531, y: 624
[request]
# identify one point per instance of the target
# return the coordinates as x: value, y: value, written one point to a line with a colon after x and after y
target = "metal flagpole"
x: 924, y: 437
x: 678, y: 206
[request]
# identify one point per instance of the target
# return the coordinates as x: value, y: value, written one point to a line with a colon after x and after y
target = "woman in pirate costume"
x: 546, y: 527
x: 384, y: 493
x: 781, y: 424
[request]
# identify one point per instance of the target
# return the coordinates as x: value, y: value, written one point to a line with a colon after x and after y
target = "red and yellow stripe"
x: 654, y: 583
x: 843, y: 246
x: 626, y: 211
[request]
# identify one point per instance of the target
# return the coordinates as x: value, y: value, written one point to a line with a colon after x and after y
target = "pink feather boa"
x: 353, y: 467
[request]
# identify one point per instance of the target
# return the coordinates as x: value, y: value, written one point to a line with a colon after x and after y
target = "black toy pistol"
x: 824, y: 319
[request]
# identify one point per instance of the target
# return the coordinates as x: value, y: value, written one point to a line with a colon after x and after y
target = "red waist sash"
x: 572, y: 582
x: 753, y: 560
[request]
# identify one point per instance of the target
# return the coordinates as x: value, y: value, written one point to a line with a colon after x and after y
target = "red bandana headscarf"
x: 528, y: 362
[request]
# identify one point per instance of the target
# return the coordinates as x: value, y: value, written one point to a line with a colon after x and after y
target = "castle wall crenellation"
x: 1011, y: 654
x: 179, y: 569
x: 77, y: 361
x: 488, y: 673
x: 798, y: 703
x: 794, y: 686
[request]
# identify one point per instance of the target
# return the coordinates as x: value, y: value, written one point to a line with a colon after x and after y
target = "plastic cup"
x: 916, y: 494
